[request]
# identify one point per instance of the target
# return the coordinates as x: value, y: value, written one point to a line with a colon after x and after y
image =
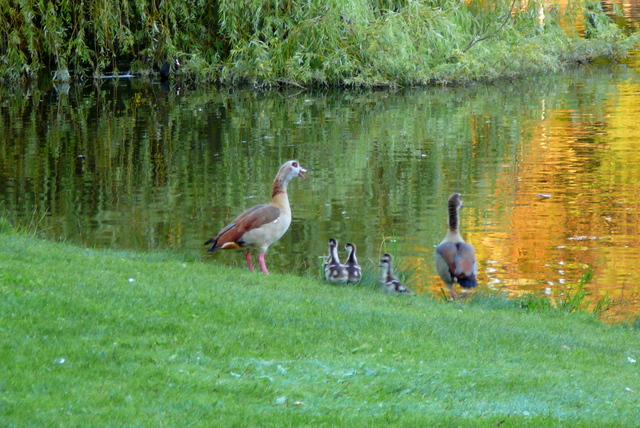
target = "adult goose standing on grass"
x: 388, y: 280
x: 455, y: 259
x: 260, y: 226
x: 353, y: 268
x: 333, y: 270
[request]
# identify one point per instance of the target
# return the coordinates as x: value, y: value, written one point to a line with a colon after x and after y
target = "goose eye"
x: 295, y: 164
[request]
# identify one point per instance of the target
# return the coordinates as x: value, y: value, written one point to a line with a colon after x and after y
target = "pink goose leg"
x: 263, y: 265
x: 249, y: 264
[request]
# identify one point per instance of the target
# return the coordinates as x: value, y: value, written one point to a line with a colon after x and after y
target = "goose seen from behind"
x: 388, y: 280
x: 334, y: 271
x: 260, y: 226
x: 455, y: 259
x: 353, y: 268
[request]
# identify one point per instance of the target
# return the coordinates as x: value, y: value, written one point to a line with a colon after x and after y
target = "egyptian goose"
x: 262, y: 225
x: 333, y: 270
x: 353, y: 268
x: 455, y: 259
x: 388, y: 280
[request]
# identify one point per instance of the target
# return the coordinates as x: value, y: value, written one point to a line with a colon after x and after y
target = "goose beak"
x: 302, y: 170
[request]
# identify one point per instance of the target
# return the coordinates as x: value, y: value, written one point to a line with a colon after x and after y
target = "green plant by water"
x: 336, y: 43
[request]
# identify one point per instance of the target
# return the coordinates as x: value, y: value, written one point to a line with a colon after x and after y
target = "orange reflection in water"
x: 569, y: 205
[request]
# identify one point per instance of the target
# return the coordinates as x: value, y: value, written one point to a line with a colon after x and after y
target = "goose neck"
x: 281, y: 200
x: 334, y: 255
x: 386, y: 273
x: 454, y: 219
x: 279, y: 186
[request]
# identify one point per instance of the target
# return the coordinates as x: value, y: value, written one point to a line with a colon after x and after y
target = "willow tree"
x: 310, y: 42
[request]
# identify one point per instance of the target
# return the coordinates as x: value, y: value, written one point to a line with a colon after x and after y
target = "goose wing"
x: 459, y: 258
x: 447, y: 252
x: 231, y: 235
x: 466, y: 266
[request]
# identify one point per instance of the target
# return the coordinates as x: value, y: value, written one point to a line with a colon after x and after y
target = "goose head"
x: 290, y: 170
x: 386, y: 261
x: 455, y: 201
x: 350, y: 248
x: 333, y: 251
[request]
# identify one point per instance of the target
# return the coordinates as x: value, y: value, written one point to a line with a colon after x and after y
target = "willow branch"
x: 486, y: 36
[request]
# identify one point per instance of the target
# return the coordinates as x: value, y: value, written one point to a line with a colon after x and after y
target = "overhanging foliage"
x: 335, y: 42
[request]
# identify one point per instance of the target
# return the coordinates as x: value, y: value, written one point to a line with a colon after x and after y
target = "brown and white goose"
x: 455, y: 259
x: 260, y: 226
x: 333, y: 270
x: 353, y: 268
x: 388, y: 280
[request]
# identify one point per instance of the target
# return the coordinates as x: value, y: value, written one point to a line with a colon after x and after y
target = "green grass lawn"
x: 105, y: 338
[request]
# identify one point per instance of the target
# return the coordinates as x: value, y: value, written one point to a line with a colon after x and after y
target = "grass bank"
x: 104, y: 338
x: 314, y: 42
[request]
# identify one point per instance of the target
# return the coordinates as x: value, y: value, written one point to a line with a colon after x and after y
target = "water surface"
x: 547, y: 166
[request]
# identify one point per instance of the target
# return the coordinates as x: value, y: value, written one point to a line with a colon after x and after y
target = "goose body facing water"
x: 334, y: 271
x: 455, y: 259
x: 353, y: 268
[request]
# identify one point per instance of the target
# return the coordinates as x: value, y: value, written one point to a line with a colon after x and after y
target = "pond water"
x: 548, y: 168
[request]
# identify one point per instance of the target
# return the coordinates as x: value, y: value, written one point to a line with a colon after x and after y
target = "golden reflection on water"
x: 575, y: 206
